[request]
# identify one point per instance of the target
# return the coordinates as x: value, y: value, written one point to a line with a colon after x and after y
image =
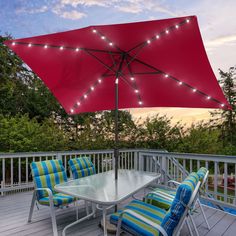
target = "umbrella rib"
x: 134, y: 82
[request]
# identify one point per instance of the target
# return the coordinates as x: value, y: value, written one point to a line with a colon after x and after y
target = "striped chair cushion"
x: 58, y: 199
x: 183, y: 195
x: 164, y: 198
x: 47, y: 174
x: 201, y: 173
x: 81, y: 167
x: 135, y: 226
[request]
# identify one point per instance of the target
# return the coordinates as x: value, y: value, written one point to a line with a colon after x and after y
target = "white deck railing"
x: 15, y: 168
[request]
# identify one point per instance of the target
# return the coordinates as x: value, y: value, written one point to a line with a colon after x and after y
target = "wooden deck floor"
x: 14, y: 211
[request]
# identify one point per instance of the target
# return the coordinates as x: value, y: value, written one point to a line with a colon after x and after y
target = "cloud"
x: 73, y: 15
x: 25, y: 10
x: 89, y: 3
x: 220, y: 41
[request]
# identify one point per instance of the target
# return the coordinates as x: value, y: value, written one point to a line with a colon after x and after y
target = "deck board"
x: 14, y: 211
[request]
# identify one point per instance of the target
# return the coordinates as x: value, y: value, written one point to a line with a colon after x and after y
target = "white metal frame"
x: 51, y: 206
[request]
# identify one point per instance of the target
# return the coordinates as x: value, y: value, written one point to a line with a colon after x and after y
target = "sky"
x: 217, y: 21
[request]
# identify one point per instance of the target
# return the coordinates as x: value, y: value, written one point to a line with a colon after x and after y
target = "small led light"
x: 176, y: 26
x: 99, y: 81
x: 94, y: 31
x: 13, y: 44
x: 77, y: 49
x: 29, y: 45
x: 166, y: 75
x: 132, y: 78
x: 208, y: 97
x: 180, y: 82
x: 45, y: 46
x: 72, y: 110
x: 148, y: 41
x: 61, y: 48
x: 78, y: 103
x: 103, y: 37
x: 167, y: 31
x: 117, y: 81
x: 140, y: 103
x: 187, y: 20
x: 110, y: 43
x: 85, y: 96
x: 222, y: 105
x: 136, y: 91
x: 157, y: 36
x: 194, y: 90
x: 92, y: 88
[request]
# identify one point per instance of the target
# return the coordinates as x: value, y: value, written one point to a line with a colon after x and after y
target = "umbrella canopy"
x: 159, y: 63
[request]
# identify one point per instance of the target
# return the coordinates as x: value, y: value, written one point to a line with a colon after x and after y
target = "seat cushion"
x: 181, y: 200
x: 135, y: 226
x: 58, y: 199
x: 47, y: 174
x: 81, y: 167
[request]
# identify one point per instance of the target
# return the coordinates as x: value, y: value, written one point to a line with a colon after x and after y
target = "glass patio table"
x: 104, y: 190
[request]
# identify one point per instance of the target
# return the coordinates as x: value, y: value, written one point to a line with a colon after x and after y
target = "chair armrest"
x: 48, y: 190
x: 163, y: 195
x: 174, y: 182
x: 147, y: 221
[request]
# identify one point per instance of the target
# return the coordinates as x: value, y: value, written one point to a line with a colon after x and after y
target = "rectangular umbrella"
x: 159, y: 63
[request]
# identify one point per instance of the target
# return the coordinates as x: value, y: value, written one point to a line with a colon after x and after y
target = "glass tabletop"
x: 103, y: 189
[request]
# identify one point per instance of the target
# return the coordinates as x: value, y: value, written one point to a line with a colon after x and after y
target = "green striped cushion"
x: 201, y: 173
x: 162, y: 202
x: 135, y: 226
x: 81, y: 167
x: 47, y: 174
x: 58, y: 199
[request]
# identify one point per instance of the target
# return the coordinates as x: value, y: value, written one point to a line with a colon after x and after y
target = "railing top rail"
x: 75, y: 152
x: 193, y: 156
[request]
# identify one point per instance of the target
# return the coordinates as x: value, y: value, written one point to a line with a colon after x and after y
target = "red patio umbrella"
x: 160, y: 63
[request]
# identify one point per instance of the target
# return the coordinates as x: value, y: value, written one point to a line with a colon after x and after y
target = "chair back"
x: 46, y: 174
x: 184, y: 198
x: 81, y: 167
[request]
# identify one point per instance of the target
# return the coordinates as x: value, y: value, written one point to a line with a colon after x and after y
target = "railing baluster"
x: 225, y: 181
x: 191, y: 166
x: 19, y: 171
x: 26, y: 170
x: 98, y: 157
x: 12, y: 166
x: 3, y: 175
x: 198, y: 164
x: 206, y: 184
x: 184, y: 166
x: 215, y: 178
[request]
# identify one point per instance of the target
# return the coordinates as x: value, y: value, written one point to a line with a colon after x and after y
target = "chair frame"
x: 159, y: 227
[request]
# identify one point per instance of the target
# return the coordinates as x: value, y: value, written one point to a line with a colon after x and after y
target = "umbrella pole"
x: 116, y: 151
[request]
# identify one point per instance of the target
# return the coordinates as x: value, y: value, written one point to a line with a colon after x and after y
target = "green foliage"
x: 20, y: 133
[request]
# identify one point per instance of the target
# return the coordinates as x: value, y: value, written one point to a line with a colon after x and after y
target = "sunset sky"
x: 25, y: 18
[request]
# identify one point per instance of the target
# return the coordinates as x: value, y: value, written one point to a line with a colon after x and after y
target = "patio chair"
x: 46, y: 174
x: 163, y: 196
x: 141, y: 219
x: 81, y: 167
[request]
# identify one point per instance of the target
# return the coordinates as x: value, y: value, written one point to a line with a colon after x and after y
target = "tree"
x: 225, y: 120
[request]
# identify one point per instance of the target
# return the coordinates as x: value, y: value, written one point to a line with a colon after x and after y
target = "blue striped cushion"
x: 183, y: 195
x: 58, y: 199
x: 201, y: 173
x: 81, y: 167
x: 47, y: 174
x: 135, y: 226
